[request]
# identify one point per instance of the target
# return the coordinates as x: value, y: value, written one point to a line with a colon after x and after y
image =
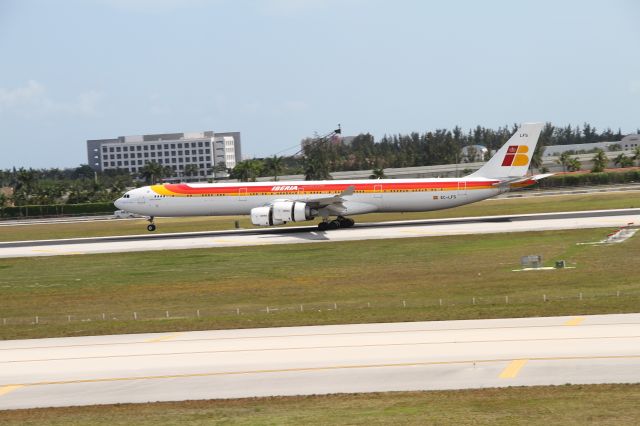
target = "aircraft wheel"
x: 323, y: 226
x: 334, y: 224
x: 151, y: 227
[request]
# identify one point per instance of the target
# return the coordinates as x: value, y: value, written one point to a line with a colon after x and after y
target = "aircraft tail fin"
x: 512, y: 160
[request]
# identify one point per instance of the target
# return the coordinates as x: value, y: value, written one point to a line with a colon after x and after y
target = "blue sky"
x: 280, y: 70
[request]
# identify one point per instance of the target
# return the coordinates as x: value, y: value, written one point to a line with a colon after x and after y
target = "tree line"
x: 321, y: 156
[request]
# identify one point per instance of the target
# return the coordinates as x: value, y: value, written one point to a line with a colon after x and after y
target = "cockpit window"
x: 126, y: 196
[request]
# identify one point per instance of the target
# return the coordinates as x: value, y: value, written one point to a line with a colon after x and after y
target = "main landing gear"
x: 151, y: 227
x: 339, y: 222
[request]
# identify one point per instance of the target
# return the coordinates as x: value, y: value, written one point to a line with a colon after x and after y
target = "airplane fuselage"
x: 381, y: 195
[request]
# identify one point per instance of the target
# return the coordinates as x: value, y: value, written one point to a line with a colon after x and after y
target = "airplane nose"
x: 118, y: 203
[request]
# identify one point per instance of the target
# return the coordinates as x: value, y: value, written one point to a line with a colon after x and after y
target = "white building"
x: 627, y: 143
x: 191, y: 156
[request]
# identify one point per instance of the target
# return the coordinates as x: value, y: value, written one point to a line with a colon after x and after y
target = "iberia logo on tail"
x: 516, y: 156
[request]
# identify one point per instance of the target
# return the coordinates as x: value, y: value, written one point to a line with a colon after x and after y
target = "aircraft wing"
x: 334, y: 203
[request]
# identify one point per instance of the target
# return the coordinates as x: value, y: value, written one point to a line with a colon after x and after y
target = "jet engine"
x: 281, y: 212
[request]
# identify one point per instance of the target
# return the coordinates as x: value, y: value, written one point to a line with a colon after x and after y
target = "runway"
x: 320, y: 360
x: 309, y: 234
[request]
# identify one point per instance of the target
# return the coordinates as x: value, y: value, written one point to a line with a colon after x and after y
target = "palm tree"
x: 600, y: 161
x: 274, y: 165
x: 152, y: 172
x: 573, y: 164
x: 564, y: 160
x: 191, y: 170
x: 636, y: 154
x: 623, y: 161
x: 377, y: 173
x: 247, y: 170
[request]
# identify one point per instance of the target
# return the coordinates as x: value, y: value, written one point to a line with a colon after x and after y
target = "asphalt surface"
x: 306, y: 234
x: 320, y: 360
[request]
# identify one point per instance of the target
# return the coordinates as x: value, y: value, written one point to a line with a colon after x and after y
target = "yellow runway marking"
x: 8, y: 389
x: 512, y: 370
x: 311, y: 369
x: 163, y: 338
x: 575, y: 321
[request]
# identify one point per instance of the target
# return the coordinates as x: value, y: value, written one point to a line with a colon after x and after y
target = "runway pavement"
x: 308, y: 234
x: 319, y: 360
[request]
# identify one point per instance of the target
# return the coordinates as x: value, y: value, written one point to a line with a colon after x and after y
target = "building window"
x: 126, y: 163
x: 179, y: 145
x: 139, y: 162
x: 199, y: 144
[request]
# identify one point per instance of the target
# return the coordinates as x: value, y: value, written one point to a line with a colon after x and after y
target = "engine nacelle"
x: 281, y: 212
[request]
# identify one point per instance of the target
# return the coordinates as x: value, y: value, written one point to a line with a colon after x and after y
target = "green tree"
x: 274, y: 165
x: 600, y: 161
x: 636, y: 155
x: 152, y: 172
x: 623, y: 161
x: 247, y: 170
x: 377, y: 173
x: 191, y: 170
x: 564, y: 160
x: 573, y: 164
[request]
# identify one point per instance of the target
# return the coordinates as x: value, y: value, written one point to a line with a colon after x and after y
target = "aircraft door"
x: 462, y: 189
x: 377, y: 191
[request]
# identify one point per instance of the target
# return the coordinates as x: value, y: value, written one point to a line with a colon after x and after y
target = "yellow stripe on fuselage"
x: 162, y: 190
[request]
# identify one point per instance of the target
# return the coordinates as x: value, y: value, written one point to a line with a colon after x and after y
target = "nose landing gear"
x: 151, y: 227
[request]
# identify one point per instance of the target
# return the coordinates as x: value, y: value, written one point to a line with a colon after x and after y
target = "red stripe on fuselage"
x: 185, y: 189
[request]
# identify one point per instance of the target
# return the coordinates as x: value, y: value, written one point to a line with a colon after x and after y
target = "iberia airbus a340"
x: 277, y: 203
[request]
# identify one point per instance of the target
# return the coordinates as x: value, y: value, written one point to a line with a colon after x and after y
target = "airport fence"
x: 240, y: 311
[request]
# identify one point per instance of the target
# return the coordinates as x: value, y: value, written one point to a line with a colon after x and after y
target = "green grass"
x: 544, y: 405
x: 596, y: 201
x: 381, y: 273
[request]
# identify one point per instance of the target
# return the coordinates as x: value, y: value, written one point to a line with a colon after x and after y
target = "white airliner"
x: 277, y: 203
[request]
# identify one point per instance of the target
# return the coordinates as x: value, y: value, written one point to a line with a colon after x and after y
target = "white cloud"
x: 32, y: 100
